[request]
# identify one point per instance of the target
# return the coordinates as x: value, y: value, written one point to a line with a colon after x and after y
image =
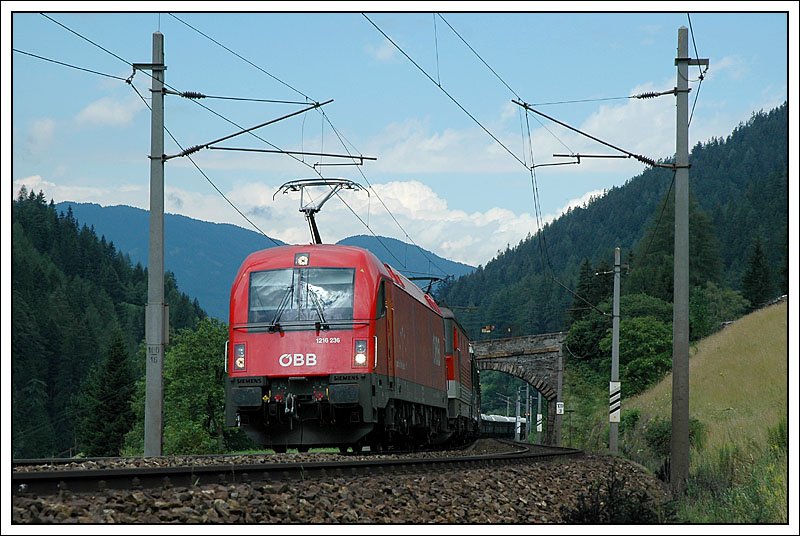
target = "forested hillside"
x: 77, y: 322
x: 739, y: 190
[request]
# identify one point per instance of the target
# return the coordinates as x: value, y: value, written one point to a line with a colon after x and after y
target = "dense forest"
x: 738, y: 255
x: 77, y: 323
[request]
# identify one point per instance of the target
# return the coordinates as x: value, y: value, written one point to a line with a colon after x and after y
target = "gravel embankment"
x: 525, y: 493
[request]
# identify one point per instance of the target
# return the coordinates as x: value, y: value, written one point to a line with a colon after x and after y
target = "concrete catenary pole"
x: 559, y: 397
x: 155, y: 323
x: 614, y: 393
x: 679, y: 443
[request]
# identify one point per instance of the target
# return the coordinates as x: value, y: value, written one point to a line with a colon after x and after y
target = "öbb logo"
x: 297, y: 360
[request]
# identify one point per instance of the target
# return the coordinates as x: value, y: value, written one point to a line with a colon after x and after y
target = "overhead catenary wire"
x: 531, y: 168
x: 649, y: 161
x: 455, y: 101
x: 167, y: 85
x: 703, y: 72
x: 660, y: 215
x: 240, y: 57
x: 342, y: 141
x: 198, y: 95
x: 129, y: 81
x: 314, y: 166
x: 207, y: 177
x: 85, y: 38
x: 248, y: 130
x: 479, y: 56
x: 69, y: 65
x: 475, y: 52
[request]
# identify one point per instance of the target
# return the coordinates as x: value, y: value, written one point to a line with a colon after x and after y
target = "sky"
x: 452, y: 152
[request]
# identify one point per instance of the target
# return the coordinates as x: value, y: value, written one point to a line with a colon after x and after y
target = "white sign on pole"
x: 538, y: 422
x: 614, y: 396
x: 559, y: 408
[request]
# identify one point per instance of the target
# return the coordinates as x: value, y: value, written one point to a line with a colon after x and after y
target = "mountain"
x: 412, y: 260
x: 205, y: 256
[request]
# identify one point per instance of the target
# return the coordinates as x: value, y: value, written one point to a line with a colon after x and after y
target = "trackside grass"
x: 738, y: 398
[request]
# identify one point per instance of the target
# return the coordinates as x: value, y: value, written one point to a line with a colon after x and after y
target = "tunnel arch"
x: 535, y: 359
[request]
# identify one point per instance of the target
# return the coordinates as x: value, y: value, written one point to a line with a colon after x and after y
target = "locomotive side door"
x: 390, y: 334
x: 384, y: 331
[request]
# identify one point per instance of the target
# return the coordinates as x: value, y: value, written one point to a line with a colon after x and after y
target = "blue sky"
x: 447, y: 184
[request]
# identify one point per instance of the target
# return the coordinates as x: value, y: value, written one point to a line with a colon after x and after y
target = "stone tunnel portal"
x: 536, y: 359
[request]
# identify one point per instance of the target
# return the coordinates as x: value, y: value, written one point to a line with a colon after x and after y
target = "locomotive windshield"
x: 300, y: 298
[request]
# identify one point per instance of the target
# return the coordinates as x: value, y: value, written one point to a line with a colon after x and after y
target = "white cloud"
x: 735, y: 67
x: 411, y: 147
x: 384, y: 52
x: 110, y: 112
x: 40, y: 135
x: 578, y: 202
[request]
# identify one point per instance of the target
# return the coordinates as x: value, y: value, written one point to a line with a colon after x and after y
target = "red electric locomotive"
x: 330, y: 347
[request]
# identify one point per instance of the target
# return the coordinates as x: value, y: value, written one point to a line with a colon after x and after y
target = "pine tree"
x: 103, y: 407
x: 579, y: 307
x: 757, y: 280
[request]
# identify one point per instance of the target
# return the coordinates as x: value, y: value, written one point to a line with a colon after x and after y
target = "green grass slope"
x: 738, y: 402
x: 738, y: 380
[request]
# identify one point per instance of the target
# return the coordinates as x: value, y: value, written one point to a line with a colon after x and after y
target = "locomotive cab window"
x: 380, y: 303
x: 297, y: 298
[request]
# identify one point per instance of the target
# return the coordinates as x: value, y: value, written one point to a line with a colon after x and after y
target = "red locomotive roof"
x: 327, y: 255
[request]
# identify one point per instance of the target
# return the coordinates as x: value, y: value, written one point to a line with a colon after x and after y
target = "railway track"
x: 54, y: 481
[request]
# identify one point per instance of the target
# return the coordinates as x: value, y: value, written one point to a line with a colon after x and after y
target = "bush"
x: 717, y: 476
x: 629, y: 420
x: 612, y: 503
x: 658, y: 434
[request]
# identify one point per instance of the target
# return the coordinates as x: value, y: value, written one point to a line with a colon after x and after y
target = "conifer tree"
x: 757, y: 280
x: 104, y: 403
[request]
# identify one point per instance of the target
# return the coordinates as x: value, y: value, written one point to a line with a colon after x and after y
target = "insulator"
x: 191, y: 150
x: 648, y: 161
x: 192, y: 95
x: 648, y: 95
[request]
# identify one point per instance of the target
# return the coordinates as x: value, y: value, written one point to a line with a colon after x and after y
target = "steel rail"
x: 94, y: 480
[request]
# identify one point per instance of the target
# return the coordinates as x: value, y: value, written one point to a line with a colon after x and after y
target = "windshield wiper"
x: 318, y: 307
x: 284, y: 302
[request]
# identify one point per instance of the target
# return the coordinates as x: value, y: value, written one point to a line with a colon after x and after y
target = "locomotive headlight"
x: 360, y: 354
x: 239, y: 362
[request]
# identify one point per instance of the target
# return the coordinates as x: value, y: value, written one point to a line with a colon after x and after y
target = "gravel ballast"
x: 524, y: 493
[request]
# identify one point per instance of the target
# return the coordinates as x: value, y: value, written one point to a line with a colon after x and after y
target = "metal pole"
x: 614, y: 395
x: 527, y: 411
x: 155, y: 325
x: 539, y: 418
x: 679, y: 443
x: 517, y: 431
